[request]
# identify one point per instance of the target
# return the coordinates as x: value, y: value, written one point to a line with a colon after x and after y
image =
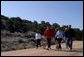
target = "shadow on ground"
x: 73, y: 50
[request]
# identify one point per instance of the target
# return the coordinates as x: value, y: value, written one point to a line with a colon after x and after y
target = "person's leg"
x: 60, y: 39
x: 48, y: 42
x: 70, y: 43
x: 57, y: 44
x: 40, y: 42
x: 66, y: 42
x: 37, y: 43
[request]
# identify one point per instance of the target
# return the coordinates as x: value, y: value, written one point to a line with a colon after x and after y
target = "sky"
x: 61, y: 12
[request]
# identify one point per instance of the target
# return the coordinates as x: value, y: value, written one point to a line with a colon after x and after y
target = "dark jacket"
x: 71, y: 32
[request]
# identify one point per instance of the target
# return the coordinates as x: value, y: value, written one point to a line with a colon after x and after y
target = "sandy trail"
x: 77, y: 51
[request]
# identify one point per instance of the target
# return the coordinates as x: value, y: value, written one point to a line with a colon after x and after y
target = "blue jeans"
x: 69, y: 42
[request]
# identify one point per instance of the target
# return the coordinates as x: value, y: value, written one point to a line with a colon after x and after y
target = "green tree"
x: 78, y: 34
x: 55, y: 25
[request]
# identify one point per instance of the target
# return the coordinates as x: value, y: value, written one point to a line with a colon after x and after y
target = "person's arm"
x: 36, y: 36
x: 45, y: 33
x: 63, y: 34
x: 55, y: 36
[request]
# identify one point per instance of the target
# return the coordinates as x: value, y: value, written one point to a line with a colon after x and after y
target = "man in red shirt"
x: 49, y: 33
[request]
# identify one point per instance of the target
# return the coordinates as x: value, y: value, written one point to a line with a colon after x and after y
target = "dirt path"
x: 77, y: 51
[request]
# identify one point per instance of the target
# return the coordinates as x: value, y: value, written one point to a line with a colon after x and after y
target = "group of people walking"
x: 59, y: 34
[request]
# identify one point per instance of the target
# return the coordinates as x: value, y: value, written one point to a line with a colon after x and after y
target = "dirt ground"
x: 77, y: 51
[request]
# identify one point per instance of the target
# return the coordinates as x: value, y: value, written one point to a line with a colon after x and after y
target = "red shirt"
x: 49, y: 33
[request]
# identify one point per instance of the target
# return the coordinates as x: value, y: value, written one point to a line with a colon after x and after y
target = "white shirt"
x: 59, y: 34
x: 38, y: 36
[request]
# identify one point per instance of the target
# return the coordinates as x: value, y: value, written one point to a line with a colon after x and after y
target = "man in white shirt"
x: 38, y: 39
x: 59, y: 36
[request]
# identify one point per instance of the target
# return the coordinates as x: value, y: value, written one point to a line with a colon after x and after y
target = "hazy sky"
x: 61, y: 12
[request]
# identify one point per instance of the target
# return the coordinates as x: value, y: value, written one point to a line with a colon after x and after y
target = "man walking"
x: 70, y: 35
x: 49, y: 33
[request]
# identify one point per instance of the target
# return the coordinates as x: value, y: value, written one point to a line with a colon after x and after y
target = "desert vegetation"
x: 17, y: 33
